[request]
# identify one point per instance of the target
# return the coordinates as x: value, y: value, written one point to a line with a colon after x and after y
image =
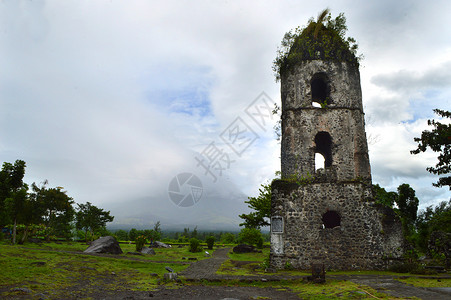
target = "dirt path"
x: 206, y: 269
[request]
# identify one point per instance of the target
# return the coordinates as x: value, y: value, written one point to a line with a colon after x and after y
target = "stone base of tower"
x: 335, y: 224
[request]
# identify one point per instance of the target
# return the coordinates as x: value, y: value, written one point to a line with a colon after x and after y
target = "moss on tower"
x: 321, y: 40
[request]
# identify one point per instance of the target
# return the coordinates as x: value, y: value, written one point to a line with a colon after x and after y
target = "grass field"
x: 55, y: 266
x: 63, y: 269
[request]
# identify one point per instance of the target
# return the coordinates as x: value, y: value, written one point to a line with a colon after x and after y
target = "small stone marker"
x: 170, y: 276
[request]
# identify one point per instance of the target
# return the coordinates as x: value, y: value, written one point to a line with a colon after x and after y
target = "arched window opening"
x: 320, y: 90
x: 331, y: 219
x: 319, y: 161
x: 323, y: 143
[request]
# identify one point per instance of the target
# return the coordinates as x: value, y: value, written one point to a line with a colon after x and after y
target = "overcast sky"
x: 113, y: 99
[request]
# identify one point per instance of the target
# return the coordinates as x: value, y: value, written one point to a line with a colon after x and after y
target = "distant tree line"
x: 184, y: 236
x: 43, y: 211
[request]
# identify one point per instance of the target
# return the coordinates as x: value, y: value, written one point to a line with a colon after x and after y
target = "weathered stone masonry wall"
x: 360, y: 242
x: 341, y: 192
x: 343, y: 81
x: 349, y: 147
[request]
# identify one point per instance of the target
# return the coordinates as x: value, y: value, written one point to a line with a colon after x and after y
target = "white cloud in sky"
x: 111, y: 99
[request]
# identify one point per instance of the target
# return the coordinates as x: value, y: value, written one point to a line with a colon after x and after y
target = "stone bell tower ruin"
x: 326, y: 214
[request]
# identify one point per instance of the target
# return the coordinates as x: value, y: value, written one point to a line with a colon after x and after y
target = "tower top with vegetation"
x: 322, y: 39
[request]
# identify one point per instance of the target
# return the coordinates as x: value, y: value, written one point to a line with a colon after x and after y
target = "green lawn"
x: 250, y: 256
x: 426, y: 282
x: 41, y: 268
x: 55, y: 267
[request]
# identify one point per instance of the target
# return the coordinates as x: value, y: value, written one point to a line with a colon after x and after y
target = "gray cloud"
x: 410, y: 80
x: 113, y: 99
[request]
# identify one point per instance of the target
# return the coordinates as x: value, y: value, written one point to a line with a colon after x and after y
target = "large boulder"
x: 106, y: 244
x: 158, y: 244
x: 147, y: 250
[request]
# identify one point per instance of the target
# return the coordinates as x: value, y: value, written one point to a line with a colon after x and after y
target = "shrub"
x: 140, y: 242
x: 228, y: 238
x: 133, y: 234
x: 265, y: 264
x: 288, y: 266
x: 182, y: 239
x: 210, y: 241
x: 121, y: 235
x: 194, y: 245
x: 403, y: 267
x: 423, y: 271
x: 260, y: 243
x: 250, y: 236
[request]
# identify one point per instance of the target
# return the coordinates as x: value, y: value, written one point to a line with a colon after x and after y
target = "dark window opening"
x: 320, y: 90
x: 331, y: 219
x: 323, y: 143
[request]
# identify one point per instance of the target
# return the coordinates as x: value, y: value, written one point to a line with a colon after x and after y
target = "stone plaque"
x: 276, y: 225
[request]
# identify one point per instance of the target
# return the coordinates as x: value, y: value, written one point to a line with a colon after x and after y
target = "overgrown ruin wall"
x: 366, y: 233
x: 327, y: 214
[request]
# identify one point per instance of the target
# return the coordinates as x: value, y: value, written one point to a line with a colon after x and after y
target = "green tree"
x: 228, y: 238
x: 315, y: 27
x: 432, y: 219
x: 13, y: 193
x: 251, y: 236
x: 53, y: 207
x: 383, y: 197
x: 194, y: 245
x: 121, y: 235
x: 438, y: 140
x: 407, y: 203
x: 186, y: 235
x: 194, y: 233
x: 262, y: 209
x: 92, y: 218
x: 154, y: 235
x: 133, y: 234
x: 157, y: 227
x: 16, y: 205
x: 210, y: 241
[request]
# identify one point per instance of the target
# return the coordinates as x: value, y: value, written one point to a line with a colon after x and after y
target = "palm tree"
x: 315, y: 27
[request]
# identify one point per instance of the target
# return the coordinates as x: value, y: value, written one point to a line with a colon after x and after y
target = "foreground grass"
x: 426, y: 282
x: 61, y: 271
x: 332, y: 289
x: 259, y: 257
x: 49, y: 270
